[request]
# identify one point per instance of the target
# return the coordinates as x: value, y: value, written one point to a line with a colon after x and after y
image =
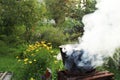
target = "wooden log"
x: 103, y: 75
x: 3, y: 75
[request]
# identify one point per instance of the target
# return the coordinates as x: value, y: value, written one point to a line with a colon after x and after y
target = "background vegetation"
x: 25, y: 22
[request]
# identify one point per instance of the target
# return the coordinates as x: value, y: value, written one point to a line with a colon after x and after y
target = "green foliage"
x: 36, y: 59
x: 73, y: 29
x: 90, y: 6
x: 51, y: 34
x: 4, y: 49
x: 10, y: 64
x: 19, y: 12
x: 16, y: 38
x: 70, y: 23
x: 16, y: 13
x: 114, y: 61
x: 57, y: 10
x: 78, y: 9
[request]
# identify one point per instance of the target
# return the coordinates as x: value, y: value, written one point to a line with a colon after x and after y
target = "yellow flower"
x: 48, y: 48
x: 51, y: 51
x: 32, y: 78
x: 44, y: 45
x: 30, y: 62
x: 17, y: 57
x: 42, y: 42
x: 34, y: 60
x: 30, y: 46
x: 49, y: 43
x: 26, y: 59
x: 55, y: 62
x: 37, y: 50
x: 32, y: 54
x: 19, y: 60
x: 36, y: 42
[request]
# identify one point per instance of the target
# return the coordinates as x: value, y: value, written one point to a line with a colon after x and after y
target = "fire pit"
x: 84, y: 71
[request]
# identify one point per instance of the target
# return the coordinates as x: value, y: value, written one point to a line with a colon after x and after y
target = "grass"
x: 9, y: 63
x: 116, y: 72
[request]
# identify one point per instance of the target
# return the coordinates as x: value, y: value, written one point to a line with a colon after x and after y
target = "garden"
x: 31, y: 32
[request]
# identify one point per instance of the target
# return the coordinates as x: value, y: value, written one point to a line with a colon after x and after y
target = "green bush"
x: 114, y: 61
x: 4, y: 49
x: 73, y: 29
x: 15, y: 38
x: 36, y: 59
x: 51, y: 34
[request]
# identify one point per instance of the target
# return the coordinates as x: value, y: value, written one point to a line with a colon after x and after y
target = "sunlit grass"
x: 10, y: 64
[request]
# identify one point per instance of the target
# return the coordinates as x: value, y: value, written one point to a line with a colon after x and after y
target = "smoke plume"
x: 101, y: 34
x: 102, y: 28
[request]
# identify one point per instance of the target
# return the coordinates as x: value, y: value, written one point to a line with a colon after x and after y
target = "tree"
x: 57, y: 10
x: 79, y: 8
x: 19, y: 12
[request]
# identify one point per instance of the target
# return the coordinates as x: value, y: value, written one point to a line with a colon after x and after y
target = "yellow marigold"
x: 30, y: 62
x: 51, y: 51
x: 55, y: 61
x: 36, y: 50
x: 34, y: 60
x: 42, y: 42
x: 30, y: 46
x: 35, y: 47
x: 49, y: 43
x: 44, y: 45
x: 32, y: 78
x: 26, y: 59
x: 19, y: 60
x: 32, y: 54
x: 48, y: 48
x: 38, y: 45
x: 17, y: 57
x: 36, y: 42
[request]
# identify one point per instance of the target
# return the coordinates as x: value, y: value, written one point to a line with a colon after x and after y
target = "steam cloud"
x: 101, y: 34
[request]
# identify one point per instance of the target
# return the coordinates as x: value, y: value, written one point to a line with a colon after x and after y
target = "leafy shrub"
x: 36, y: 58
x: 4, y: 49
x: 73, y: 29
x: 114, y: 61
x: 51, y: 34
x: 15, y: 38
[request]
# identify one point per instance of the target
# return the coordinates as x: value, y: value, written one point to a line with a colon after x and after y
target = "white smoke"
x: 101, y: 33
x: 102, y: 28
